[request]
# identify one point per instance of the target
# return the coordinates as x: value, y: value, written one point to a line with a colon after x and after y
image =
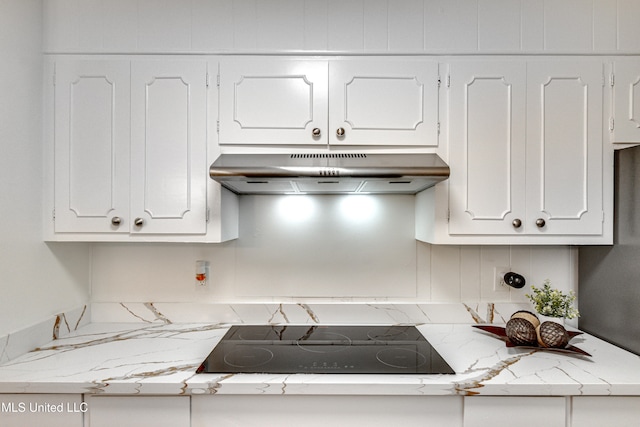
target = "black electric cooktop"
x: 324, y: 349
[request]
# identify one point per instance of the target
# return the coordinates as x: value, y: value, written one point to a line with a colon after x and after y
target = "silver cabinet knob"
x: 340, y: 132
x: 517, y: 223
x: 138, y: 222
x: 540, y: 222
x: 316, y: 132
x: 116, y: 221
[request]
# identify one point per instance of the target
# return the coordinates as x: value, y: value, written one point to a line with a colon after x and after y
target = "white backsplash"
x: 323, y: 255
x: 299, y: 313
x: 52, y: 328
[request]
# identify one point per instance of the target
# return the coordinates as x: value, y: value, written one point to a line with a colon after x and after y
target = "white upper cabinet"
x: 168, y: 147
x: 316, y: 102
x: 487, y: 118
x: 92, y: 146
x: 625, y: 122
x: 129, y: 157
x: 383, y: 102
x: 526, y: 151
x: 564, y: 147
x: 133, y: 138
x: 273, y: 101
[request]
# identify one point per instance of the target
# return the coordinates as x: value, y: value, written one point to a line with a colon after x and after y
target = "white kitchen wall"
x: 353, y: 26
x: 328, y: 257
x: 37, y: 280
x: 331, y: 248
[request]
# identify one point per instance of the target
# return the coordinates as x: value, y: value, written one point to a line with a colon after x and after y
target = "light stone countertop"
x: 161, y: 359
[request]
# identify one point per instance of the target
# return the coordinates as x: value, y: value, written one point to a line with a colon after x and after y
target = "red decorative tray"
x: 500, y: 332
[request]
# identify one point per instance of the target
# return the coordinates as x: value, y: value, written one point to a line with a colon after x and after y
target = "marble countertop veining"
x: 161, y: 359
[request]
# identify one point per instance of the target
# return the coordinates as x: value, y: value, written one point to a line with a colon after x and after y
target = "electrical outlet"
x: 202, y: 273
x: 498, y: 278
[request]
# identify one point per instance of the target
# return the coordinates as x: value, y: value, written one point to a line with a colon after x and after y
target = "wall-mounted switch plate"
x: 498, y: 278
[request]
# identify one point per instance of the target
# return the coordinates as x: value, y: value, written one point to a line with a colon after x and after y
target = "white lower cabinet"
x: 322, y: 411
x: 484, y: 411
x: 51, y: 410
x: 136, y: 411
x: 74, y: 410
x: 598, y: 411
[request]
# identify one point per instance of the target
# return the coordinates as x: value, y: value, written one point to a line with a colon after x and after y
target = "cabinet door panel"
x: 564, y: 140
x: 596, y: 411
x: 134, y: 411
x: 497, y: 411
x: 273, y: 101
x: 91, y: 146
x: 383, y: 102
x: 51, y: 410
x: 371, y: 411
x: 168, y: 155
x: 626, y: 102
x: 487, y: 102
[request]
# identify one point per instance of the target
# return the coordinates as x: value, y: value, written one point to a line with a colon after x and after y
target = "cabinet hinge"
x: 439, y: 81
x: 612, y: 80
x: 208, y: 214
x: 438, y: 128
x: 448, y: 80
x: 218, y: 126
x: 611, y: 124
x: 207, y: 80
x: 218, y: 80
x: 448, y: 214
x: 53, y: 215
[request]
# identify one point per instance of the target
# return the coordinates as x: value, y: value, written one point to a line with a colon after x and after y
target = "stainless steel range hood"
x: 328, y: 173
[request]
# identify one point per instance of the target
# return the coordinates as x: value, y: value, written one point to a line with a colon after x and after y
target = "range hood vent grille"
x: 329, y: 156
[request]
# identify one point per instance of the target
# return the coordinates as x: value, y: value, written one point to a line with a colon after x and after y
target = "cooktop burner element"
x: 287, y: 349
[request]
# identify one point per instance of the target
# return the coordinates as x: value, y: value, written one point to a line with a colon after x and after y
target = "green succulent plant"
x: 552, y: 302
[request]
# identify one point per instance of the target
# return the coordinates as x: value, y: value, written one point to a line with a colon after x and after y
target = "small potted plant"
x: 552, y: 302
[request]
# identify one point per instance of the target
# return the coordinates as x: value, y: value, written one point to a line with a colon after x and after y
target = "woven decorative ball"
x: 521, y: 332
x: 527, y: 315
x: 552, y: 335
